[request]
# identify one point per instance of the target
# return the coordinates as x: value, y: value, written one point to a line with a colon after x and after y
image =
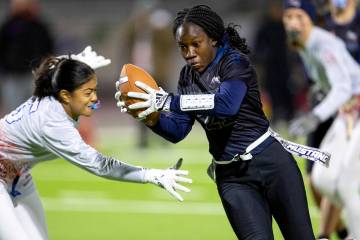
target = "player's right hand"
x: 153, y: 100
x: 120, y: 104
x: 169, y: 178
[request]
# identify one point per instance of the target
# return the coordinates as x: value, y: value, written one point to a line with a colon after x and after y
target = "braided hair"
x: 213, y: 25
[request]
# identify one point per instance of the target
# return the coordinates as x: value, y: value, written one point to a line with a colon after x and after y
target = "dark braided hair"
x: 212, y: 24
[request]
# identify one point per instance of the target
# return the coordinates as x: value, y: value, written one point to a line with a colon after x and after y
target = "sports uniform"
x: 43, y: 128
x: 348, y: 32
x: 38, y: 131
x: 225, y: 100
x: 337, y: 74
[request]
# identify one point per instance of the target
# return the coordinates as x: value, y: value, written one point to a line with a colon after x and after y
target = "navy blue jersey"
x: 349, y: 33
x: 237, y: 118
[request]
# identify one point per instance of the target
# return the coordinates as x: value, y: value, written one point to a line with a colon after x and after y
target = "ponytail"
x: 44, y: 78
x: 55, y: 74
x: 235, y: 40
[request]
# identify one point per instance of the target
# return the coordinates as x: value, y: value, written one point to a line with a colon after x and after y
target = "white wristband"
x: 197, y: 102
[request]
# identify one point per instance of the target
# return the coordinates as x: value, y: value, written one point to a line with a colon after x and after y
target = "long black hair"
x: 55, y: 74
x: 212, y: 24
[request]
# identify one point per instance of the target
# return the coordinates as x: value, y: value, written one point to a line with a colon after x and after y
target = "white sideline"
x: 81, y: 204
x: 130, y: 206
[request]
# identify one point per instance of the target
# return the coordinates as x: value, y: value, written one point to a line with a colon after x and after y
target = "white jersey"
x: 41, y: 130
x: 334, y: 71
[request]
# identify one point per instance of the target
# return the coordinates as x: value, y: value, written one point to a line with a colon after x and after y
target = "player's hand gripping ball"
x: 126, y: 83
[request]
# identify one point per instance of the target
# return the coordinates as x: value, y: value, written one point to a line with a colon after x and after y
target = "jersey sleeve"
x: 62, y: 139
x: 339, y: 79
x: 173, y: 126
x: 226, y: 102
x: 236, y: 67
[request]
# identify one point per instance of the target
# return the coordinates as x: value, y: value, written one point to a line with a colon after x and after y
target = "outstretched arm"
x: 71, y: 147
x: 174, y: 127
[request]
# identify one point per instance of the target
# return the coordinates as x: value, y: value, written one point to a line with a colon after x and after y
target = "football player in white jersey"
x: 336, y: 73
x: 44, y: 128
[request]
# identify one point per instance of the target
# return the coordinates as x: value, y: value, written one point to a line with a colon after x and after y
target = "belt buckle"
x: 243, y: 157
x: 246, y: 156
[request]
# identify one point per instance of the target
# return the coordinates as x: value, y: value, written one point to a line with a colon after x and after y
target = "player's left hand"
x: 169, y: 178
x: 154, y: 100
x: 91, y: 58
x: 304, y: 124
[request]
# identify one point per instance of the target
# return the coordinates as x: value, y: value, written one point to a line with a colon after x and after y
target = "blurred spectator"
x: 149, y: 40
x: 24, y: 41
x: 329, y: 65
x: 271, y: 54
x: 343, y: 19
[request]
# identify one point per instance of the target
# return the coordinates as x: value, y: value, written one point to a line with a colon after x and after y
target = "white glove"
x: 90, y: 57
x: 120, y: 104
x: 154, y: 100
x: 304, y: 124
x: 168, y: 179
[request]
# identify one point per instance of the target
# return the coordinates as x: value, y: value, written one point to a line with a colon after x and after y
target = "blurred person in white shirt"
x: 336, y: 73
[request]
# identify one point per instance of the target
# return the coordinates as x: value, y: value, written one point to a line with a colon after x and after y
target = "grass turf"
x: 80, y: 205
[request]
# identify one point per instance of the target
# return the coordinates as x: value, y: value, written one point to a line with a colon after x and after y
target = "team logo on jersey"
x: 215, y: 80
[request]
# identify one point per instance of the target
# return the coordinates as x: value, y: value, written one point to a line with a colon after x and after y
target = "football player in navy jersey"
x: 256, y: 178
x: 343, y: 19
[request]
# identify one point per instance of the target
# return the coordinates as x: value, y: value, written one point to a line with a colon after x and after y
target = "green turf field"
x: 82, y: 206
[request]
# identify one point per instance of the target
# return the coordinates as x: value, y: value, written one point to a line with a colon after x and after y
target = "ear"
x: 213, y: 43
x: 65, y: 96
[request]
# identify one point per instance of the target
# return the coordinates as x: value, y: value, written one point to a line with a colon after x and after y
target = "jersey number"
x: 17, y: 114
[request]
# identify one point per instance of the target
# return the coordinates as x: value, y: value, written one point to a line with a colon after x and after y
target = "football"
x: 128, y: 76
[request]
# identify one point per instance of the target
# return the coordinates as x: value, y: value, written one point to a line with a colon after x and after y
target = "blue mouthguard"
x: 95, y: 105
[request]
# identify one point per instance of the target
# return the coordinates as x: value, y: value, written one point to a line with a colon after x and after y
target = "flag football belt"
x: 310, y: 153
x: 10, y: 175
x: 247, y: 155
x: 303, y: 151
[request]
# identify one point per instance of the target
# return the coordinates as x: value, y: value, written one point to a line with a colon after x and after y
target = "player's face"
x: 81, y: 99
x: 298, y: 26
x: 195, y: 46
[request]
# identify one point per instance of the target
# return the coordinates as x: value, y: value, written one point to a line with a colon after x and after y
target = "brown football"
x: 128, y: 76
